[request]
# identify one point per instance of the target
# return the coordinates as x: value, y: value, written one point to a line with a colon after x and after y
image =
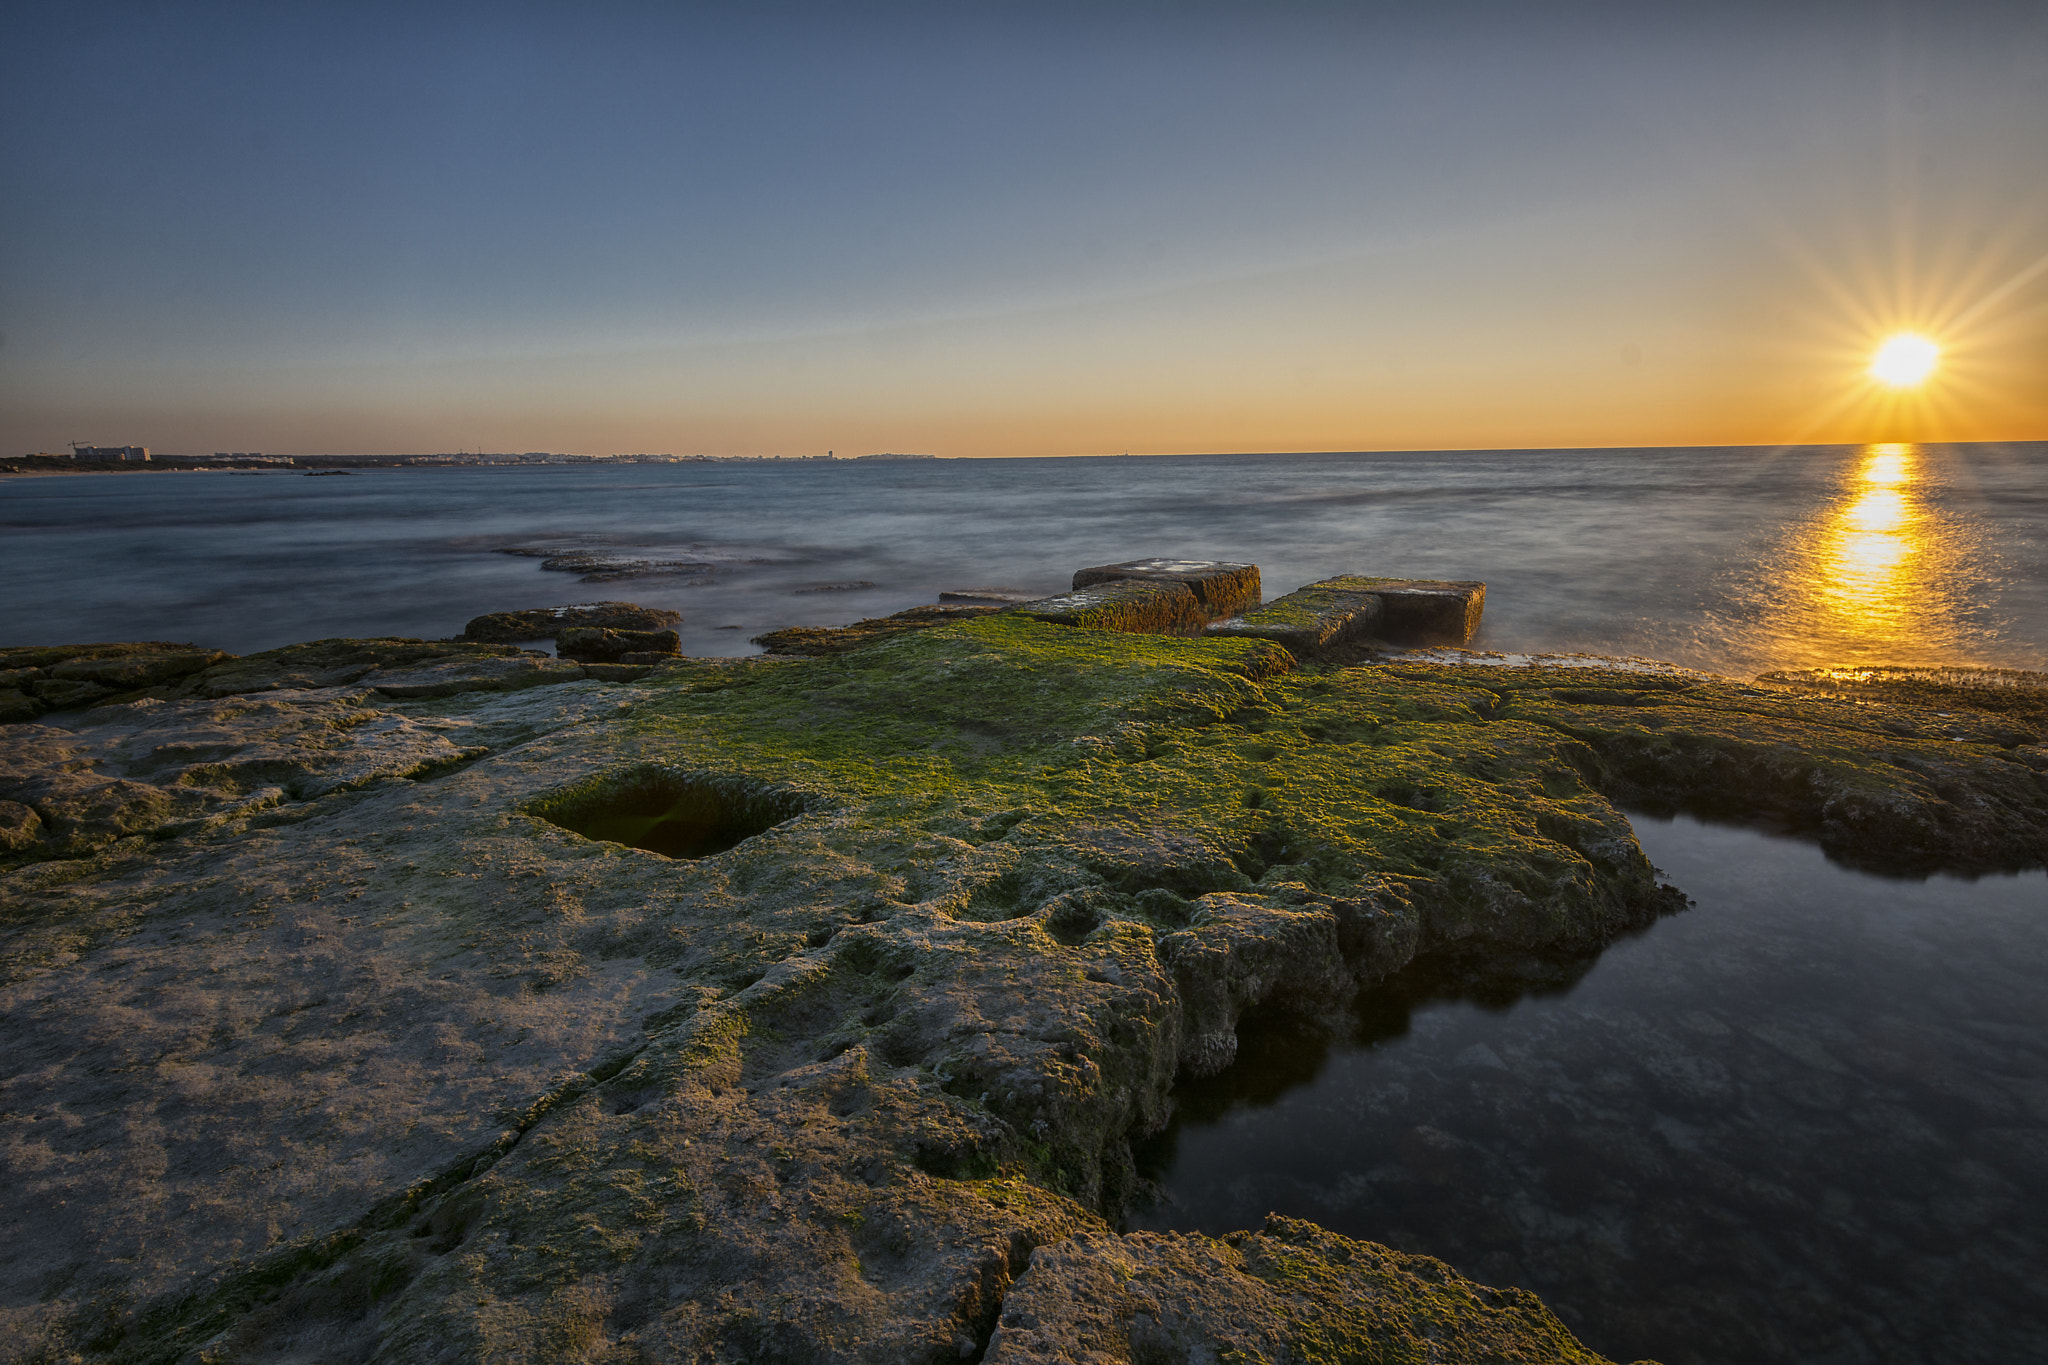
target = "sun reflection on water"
x: 1871, y: 575
x: 1873, y: 543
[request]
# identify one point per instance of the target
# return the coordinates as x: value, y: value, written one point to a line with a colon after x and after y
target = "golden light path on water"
x: 1873, y: 542
x: 1874, y: 577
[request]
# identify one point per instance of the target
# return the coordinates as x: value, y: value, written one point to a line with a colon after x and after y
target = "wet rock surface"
x: 545, y: 623
x: 333, y: 1046
x: 39, y: 678
x: 821, y: 641
x: 1223, y: 589
x: 592, y: 644
x: 1140, y: 605
x: 986, y: 597
x: 75, y: 677
x: 1309, y: 620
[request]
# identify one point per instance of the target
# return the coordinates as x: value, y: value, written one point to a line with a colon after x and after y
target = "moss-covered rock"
x: 852, y: 1087
x: 1289, y: 1292
x: 331, y: 663
x: 545, y: 623
x: 39, y: 678
x: 1308, y: 620
x: 1140, y: 605
x: 605, y: 645
x: 820, y: 641
x: 1223, y: 589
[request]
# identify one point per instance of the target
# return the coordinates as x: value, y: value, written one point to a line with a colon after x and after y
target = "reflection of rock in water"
x: 1808, y: 1123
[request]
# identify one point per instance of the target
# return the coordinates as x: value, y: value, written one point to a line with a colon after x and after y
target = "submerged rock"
x: 451, y: 1080
x: 599, y: 566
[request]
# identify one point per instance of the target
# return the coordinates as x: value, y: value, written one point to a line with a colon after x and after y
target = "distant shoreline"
x: 46, y: 465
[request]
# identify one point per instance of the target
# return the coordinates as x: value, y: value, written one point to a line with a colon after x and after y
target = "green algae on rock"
x: 1222, y: 588
x: 1290, y: 1291
x: 606, y: 645
x: 1139, y: 605
x: 817, y: 641
x: 1308, y: 620
x: 861, y: 1086
x: 545, y: 623
x: 1317, y: 620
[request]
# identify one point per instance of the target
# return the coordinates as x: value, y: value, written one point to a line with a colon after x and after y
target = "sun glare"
x: 1904, y: 360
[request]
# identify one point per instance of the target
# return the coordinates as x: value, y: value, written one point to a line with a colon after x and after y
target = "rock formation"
x: 806, y: 1008
x: 545, y: 623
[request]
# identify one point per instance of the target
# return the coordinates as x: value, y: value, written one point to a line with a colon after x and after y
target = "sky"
x: 981, y: 229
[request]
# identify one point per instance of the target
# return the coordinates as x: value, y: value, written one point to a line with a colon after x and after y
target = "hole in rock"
x: 674, y: 814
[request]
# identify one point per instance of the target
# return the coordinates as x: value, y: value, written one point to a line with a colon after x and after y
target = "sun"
x: 1904, y: 360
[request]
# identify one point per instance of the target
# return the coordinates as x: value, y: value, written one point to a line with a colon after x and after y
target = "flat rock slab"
x: 1140, y: 606
x: 333, y: 663
x: 594, y: 644
x: 1350, y: 607
x: 544, y: 623
x: 446, y: 677
x: 819, y: 641
x: 1421, y: 611
x: 1223, y: 589
x: 45, y: 656
x: 151, y: 767
x: 1311, y: 619
x: 142, y: 669
x: 39, y: 678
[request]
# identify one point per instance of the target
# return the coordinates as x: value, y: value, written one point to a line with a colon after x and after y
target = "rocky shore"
x: 443, y: 1001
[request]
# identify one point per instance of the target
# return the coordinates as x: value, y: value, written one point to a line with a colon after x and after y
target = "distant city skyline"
x: 1000, y: 230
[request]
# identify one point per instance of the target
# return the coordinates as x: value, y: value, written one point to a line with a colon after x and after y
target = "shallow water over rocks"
x: 1806, y: 1120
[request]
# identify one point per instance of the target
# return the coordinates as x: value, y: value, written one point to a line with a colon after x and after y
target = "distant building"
x: 138, y: 453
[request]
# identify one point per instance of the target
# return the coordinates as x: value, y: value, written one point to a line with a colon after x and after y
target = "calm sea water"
x: 1735, y: 560
x: 1805, y: 1121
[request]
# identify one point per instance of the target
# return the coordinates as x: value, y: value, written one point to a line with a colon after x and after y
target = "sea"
x: 1804, y: 1121
x: 1735, y: 560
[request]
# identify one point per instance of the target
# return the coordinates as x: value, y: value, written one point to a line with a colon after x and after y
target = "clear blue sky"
x: 1011, y: 229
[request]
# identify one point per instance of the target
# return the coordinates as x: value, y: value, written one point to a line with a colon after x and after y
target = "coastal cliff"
x: 425, y: 1002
